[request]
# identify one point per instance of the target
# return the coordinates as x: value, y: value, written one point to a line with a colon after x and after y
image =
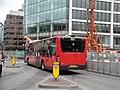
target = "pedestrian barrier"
x: 13, y: 62
x: 107, y: 62
x: 17, y: 54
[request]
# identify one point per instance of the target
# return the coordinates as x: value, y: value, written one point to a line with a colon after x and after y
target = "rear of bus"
x: 71, y: 52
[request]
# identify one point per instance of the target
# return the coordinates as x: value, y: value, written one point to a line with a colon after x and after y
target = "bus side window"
x: 48, y: 53
x: 44, y: 52
x: 52, y: 51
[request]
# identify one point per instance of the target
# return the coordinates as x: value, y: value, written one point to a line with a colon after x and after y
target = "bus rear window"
x: 72, y: 44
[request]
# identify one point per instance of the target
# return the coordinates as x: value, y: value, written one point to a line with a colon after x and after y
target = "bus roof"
x: 70, y: 36
x: 34, y: 41
x: 67, y: 36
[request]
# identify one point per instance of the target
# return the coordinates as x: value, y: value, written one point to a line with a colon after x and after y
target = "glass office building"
x: 45, y: 17
x: 1, y: 35
x: 60, y: 17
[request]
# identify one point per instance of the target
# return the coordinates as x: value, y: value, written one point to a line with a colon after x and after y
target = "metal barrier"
x: 18, y: 54
x: 104, y: 62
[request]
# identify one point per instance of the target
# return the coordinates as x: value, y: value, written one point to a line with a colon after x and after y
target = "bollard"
x: 55, y: 70
x: 13, y: 60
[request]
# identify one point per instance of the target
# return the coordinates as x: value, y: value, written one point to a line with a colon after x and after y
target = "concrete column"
x: 51, y: 19
x: 38, y: 19
x: 70, y: 17
x: 37, y: 31
x: 111, y: 29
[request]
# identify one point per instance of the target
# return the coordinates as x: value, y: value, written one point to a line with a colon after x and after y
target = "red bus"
x: 70, y: 51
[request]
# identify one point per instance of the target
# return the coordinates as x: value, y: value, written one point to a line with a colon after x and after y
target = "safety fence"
x: 17, y: 54
x: 107, y: 62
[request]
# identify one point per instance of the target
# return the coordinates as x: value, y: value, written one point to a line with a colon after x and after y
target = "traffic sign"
x: 55, y: 70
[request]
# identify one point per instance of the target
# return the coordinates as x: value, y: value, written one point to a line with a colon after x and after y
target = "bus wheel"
x: 28, y: 61
x: 42, y: 65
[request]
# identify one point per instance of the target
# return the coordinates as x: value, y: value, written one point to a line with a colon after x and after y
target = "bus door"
x: 48, y: 57
x: 37, y: 58
x: 51, y: 55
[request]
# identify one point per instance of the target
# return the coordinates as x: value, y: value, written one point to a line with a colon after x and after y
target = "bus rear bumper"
x: 80, y: 67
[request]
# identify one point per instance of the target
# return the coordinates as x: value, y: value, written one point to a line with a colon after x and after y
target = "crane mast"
x: 93, y: 39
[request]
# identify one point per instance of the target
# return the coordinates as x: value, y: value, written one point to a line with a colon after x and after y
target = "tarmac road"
x: 94, y: 81
x: 23, y: 78
x: 28, y: 78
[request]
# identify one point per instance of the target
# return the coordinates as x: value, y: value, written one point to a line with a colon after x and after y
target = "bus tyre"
x: 42, y: 65
x: 28, y: 61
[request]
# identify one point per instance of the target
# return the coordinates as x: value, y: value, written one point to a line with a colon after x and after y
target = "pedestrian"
x: 1, y: 61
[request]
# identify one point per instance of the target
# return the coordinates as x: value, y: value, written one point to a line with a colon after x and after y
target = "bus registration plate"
x: 73, y: 66
x: 72, y: 39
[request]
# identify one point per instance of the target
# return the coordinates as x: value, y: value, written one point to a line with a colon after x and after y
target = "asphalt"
x: 21, y: 76
x: 30, y: 78
x: 60, y: 83
x: 24, y: 77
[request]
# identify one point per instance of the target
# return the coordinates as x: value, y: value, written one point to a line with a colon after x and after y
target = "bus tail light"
x: 58, y: 59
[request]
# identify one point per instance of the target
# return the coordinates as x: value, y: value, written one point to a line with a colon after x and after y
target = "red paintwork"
x: 32, y: 59
x: 66, y: 59
x: 70, y: 58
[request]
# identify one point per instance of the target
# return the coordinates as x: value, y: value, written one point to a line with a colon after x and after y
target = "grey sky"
x: 7, y: 5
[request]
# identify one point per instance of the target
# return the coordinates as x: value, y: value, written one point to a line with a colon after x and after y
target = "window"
x: 64, y: 3
x: 59, y: 25
x: 117, y: 41
x: 99, y: 16
x: 83, y: 26
x: 52, y: 13
x: 116, y: 28
x: 20, y: 38
x: 102, y: 5
x: 78, y: 14
x: 72, y: 45
x: 116, y: 18
x: 52, y: 50
x: 79, y: 3
x: 78, y: 26
x: 55, y: 26
x: 108, y: 6
x: 105, y: 28
x: 116, y: 7
x: 105, y: 40
x: 64, y: 13
x: 74, y: 26
x: 74, y: 3
x: 74, y: 14
x: 55, y: 4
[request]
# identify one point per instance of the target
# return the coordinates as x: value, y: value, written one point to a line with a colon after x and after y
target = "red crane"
x: 29, y: 39
x: 93, y: 39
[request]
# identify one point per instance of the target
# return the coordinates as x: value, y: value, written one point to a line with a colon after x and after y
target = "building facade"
x: 13, y: 33
x: 1, y: 35
x: 60, y: 17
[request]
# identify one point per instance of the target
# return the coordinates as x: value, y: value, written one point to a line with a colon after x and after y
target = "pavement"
x: 60, y: 83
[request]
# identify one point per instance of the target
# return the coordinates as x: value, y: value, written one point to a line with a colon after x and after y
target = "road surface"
x: 28, y: 77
